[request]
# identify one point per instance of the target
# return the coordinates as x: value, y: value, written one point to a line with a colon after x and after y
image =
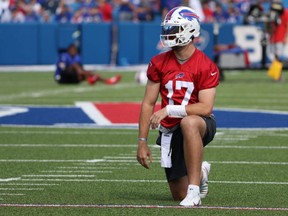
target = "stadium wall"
x: 39, y: 44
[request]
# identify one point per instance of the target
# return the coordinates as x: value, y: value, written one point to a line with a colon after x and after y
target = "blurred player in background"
x: 279, y: 28
x: 69, y: 70
x: 186, y: 79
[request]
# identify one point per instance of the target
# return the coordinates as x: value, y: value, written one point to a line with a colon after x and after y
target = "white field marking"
x: 231, y: 139
x: 65, y: 176
x: 10, y: 111
x: 10, y: 179
x: 39, y: 161
x: 149, y: 181
x: 88, y: 168
x: 78, y: 126
x: 255, y: 129
x: 93, y: 168
x: 128, y: 146
x: 70, y: 132
x: 246, y: 147
x: 21, y: 189
x: 71, y: 145
x: 123, y: 161
x: 127, y: 157
x: 93, y: 113
x: 9, y: 194
x: 129, y: 162
x: 122, y: 206
x: 248, y: 182
x: 77, y: 171
x: 48, y: 68
x: 95, y: 161
x: 94, y: 180
x: 50, y: 92
x: 249, y: 162
x: 252, y: 110
x: 236, y: 135
x: 219, y: 162
x: 29, y: 184
x: 51, y: 67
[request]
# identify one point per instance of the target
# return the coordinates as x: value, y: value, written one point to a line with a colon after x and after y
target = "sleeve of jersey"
x: 153, y: 73
x: 209, y: 78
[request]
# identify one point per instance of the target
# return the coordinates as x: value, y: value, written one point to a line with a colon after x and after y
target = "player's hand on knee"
x: 157, y: 117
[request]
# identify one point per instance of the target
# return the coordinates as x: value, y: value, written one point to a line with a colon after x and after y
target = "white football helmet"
x: 179, y: 27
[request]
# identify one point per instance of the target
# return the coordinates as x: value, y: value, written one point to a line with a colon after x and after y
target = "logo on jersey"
x: 187, y: 14
x: 212, y: 74
x: 180, y: 75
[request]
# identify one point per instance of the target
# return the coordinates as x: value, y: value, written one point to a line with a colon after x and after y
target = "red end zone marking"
x: 121, y: 113
x: 140, y: 206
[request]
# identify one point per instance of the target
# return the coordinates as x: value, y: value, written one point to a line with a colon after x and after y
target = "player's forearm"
x: 144, y: 124
x: 200, y: 109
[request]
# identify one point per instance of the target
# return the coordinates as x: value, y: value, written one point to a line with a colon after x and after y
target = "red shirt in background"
x: 106, y: 11
x: 280, y: 31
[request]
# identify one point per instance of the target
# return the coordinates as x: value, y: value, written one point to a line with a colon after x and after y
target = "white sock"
x: 193, y: 188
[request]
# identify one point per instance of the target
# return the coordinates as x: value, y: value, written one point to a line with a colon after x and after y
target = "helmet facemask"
x: 174, y: 35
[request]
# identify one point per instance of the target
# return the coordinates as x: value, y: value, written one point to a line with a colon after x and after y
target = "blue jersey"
x: 64, y: 61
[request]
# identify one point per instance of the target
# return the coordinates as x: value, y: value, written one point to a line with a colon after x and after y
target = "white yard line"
x: 92, y: 167
x: 248, y: 182
x: 123, y: 206
x: 38, y: 161
x: 132, y: 132
x: 127, y: 157
x: 10, y: 179
x: 9, y: 194
x: 246, y: 147
x: 65, y: 176
x: 29, y: 184
x: 82, y: 168
x: 71, y: 145
x: 21, y: 189
x: 129, y: 162
x: 249, y: 162
x: 251, y: 110
x: 129, y: 146
x: 77, y: 171
x: 147, y: 181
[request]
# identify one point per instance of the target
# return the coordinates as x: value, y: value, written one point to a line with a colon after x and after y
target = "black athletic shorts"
x: 178, y: 168
x: 67, y: 76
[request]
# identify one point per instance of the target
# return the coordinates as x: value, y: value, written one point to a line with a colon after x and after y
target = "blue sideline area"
x: 40, y: 44
x: 250, y: 119
x: 47, y: 116
x: 76, y: 117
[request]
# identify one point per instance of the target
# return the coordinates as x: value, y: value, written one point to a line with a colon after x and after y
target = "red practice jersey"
x: 279, y: 33
x: 181, y: 83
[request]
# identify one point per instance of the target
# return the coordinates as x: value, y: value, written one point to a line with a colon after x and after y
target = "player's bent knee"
x: 191, y: 122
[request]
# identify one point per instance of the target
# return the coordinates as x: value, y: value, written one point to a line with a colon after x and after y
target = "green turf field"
x: 82, y: 171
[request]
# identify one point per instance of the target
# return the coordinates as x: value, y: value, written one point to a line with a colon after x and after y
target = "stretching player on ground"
x: 186, y: 80
x: 69, y: 69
